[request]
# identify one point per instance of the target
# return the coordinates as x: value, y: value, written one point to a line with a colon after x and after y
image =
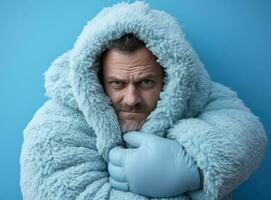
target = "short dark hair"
x: 127, y: 43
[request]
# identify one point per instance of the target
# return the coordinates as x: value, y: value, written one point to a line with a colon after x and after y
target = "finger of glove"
x: 118, y: 185
x: 116, y: 172
x: 134, y: 138
x: 116, y: 155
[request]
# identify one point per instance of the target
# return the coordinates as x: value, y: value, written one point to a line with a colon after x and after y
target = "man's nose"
x: 132, y: 96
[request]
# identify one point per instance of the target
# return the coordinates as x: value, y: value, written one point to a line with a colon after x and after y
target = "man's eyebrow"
x: 111, y: 78
x: 148, y: 76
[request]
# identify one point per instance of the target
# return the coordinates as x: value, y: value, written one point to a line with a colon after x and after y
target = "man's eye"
x: 146, y: 83
x: 116, y: 84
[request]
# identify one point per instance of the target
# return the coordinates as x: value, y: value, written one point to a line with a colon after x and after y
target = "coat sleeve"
x: 226, y: 140
x: 59, y: 159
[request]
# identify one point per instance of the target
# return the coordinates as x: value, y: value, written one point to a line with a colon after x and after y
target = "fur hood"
x: 72, y: 78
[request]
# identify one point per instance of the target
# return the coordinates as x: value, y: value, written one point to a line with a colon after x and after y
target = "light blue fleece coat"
x: 66, y: 144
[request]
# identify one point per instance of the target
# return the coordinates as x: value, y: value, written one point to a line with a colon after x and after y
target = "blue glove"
x: 154, y: 167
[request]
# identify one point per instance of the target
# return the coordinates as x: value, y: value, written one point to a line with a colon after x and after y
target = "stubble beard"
x: 134, y: 123
x: 130, y: 125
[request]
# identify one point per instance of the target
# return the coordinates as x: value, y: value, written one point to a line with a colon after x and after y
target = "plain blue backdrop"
x: 232, y: 38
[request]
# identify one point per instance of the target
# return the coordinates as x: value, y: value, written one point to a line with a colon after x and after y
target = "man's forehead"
x: 141, y: 62
x: 137, y: 68
x: 137, y: 77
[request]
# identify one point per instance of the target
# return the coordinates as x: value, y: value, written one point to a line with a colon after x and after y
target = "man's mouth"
x: 130, y: 115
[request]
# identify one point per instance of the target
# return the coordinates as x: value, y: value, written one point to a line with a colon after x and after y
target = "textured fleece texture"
x: 66, y: 144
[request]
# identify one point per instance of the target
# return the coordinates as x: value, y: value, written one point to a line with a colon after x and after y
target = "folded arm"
x: 59, y: 159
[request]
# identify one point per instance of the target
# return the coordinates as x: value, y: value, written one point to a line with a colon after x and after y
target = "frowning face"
x: 133, y: 81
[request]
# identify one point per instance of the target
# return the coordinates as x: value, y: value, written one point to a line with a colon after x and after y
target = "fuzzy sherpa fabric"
x: 66, y: 144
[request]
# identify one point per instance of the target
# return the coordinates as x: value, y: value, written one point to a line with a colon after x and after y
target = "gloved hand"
x: 155, y: 167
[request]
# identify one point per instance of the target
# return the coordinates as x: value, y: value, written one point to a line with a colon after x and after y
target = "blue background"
x: 232, y: 39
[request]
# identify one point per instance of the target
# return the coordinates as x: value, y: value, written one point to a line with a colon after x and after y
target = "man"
x: 133, y: 114
x: 133, y: 80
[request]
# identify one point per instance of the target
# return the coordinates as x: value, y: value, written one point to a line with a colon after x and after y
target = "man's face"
x: 133, y: 81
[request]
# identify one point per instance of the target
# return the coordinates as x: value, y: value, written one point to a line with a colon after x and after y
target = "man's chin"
x: 131, y: 125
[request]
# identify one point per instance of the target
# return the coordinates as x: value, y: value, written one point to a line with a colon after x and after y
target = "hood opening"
x: 72, y: 79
